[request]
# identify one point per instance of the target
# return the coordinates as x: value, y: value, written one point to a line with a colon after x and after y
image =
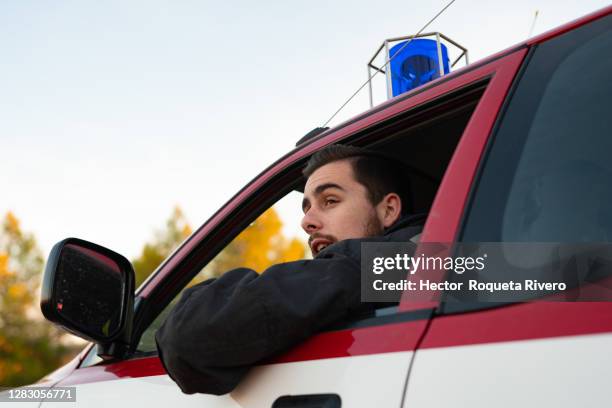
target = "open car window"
x: 425, y: 140
x: 274, y: 237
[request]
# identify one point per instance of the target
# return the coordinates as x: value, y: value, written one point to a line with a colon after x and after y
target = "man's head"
x: 351, y: 193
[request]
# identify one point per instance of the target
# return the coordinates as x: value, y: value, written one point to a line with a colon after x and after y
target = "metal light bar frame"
x: 385, y: 69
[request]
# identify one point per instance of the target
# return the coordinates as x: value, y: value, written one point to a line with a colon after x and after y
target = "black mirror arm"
x: 120, y: 347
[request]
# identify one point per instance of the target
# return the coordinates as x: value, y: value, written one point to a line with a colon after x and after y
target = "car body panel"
x: 554, y: 372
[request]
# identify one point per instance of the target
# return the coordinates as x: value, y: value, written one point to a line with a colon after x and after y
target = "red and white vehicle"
x: 517, y: 147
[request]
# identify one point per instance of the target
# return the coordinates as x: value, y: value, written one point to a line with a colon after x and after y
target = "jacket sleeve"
x: 222, y: 327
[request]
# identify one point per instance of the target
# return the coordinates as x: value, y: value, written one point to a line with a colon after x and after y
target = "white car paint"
x: 572, y: 371
x: 375, y: 380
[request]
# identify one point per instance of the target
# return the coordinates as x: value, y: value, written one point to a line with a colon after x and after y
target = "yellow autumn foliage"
x: 261, y: 245
x: 30, y: 347
x: 11, y: 224
x: 5, y: 273
x: 17, y: 292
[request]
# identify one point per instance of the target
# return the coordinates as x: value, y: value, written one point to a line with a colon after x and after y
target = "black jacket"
x: 222, y: 327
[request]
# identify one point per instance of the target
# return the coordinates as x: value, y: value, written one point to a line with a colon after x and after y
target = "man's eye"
x: 330, y: 201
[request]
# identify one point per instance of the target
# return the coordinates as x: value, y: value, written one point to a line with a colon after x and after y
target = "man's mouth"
x: 319, y: 244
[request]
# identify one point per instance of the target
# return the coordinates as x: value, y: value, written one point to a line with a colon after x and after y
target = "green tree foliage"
x: 30, y: 347
x: 164, y: 242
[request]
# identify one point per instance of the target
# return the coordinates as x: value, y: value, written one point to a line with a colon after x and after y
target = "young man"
x: 351, y: 193
x: 222, y: 327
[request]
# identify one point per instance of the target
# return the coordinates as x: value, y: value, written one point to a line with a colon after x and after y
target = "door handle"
x: 308, y: 401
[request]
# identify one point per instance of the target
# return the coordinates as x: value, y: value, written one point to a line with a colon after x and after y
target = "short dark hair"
x: 378, y: 173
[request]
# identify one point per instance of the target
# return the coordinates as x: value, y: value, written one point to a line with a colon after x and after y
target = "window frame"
x: 456, y: 186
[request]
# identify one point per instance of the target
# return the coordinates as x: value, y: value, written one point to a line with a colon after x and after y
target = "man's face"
x: 336, y: 207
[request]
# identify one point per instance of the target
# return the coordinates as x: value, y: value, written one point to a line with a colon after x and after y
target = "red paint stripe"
x: 371, y: 340
x: 343, y: 343
x: 526, y: 321
x: 141, y: 367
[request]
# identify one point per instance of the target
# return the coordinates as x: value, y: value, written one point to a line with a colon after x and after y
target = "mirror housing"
x: 89, y: 291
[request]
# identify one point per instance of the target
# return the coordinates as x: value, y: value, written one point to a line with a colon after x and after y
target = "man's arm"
x: 222, y: 327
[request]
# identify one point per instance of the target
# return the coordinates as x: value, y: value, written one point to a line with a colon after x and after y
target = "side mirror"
x: 88, y: 290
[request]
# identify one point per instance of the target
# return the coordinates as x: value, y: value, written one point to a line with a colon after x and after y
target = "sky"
x: 114, y: 112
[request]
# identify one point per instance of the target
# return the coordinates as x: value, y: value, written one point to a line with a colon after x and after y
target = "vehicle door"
x: 546, y: 177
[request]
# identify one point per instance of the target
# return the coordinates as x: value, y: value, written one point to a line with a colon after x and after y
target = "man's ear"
x: 389, y: 209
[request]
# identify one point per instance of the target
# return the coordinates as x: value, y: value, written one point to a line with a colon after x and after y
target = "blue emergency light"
x: 416, y: 64
x: 411, y: 61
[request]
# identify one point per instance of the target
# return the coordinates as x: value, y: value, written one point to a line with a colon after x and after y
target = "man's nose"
x: 310, y: 222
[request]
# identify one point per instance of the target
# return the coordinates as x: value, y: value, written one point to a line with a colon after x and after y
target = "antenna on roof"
x: 535, y: 17
x: 386, y: 63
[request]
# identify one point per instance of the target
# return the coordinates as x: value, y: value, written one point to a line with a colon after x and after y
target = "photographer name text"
x: 472, y: 284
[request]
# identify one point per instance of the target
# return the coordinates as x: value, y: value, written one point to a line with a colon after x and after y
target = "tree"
x: 164, y: 242
x: 30, y: 347
x: 261, y: 245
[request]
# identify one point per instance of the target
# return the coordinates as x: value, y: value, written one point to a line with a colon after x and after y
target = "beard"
x: 373, y: 227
